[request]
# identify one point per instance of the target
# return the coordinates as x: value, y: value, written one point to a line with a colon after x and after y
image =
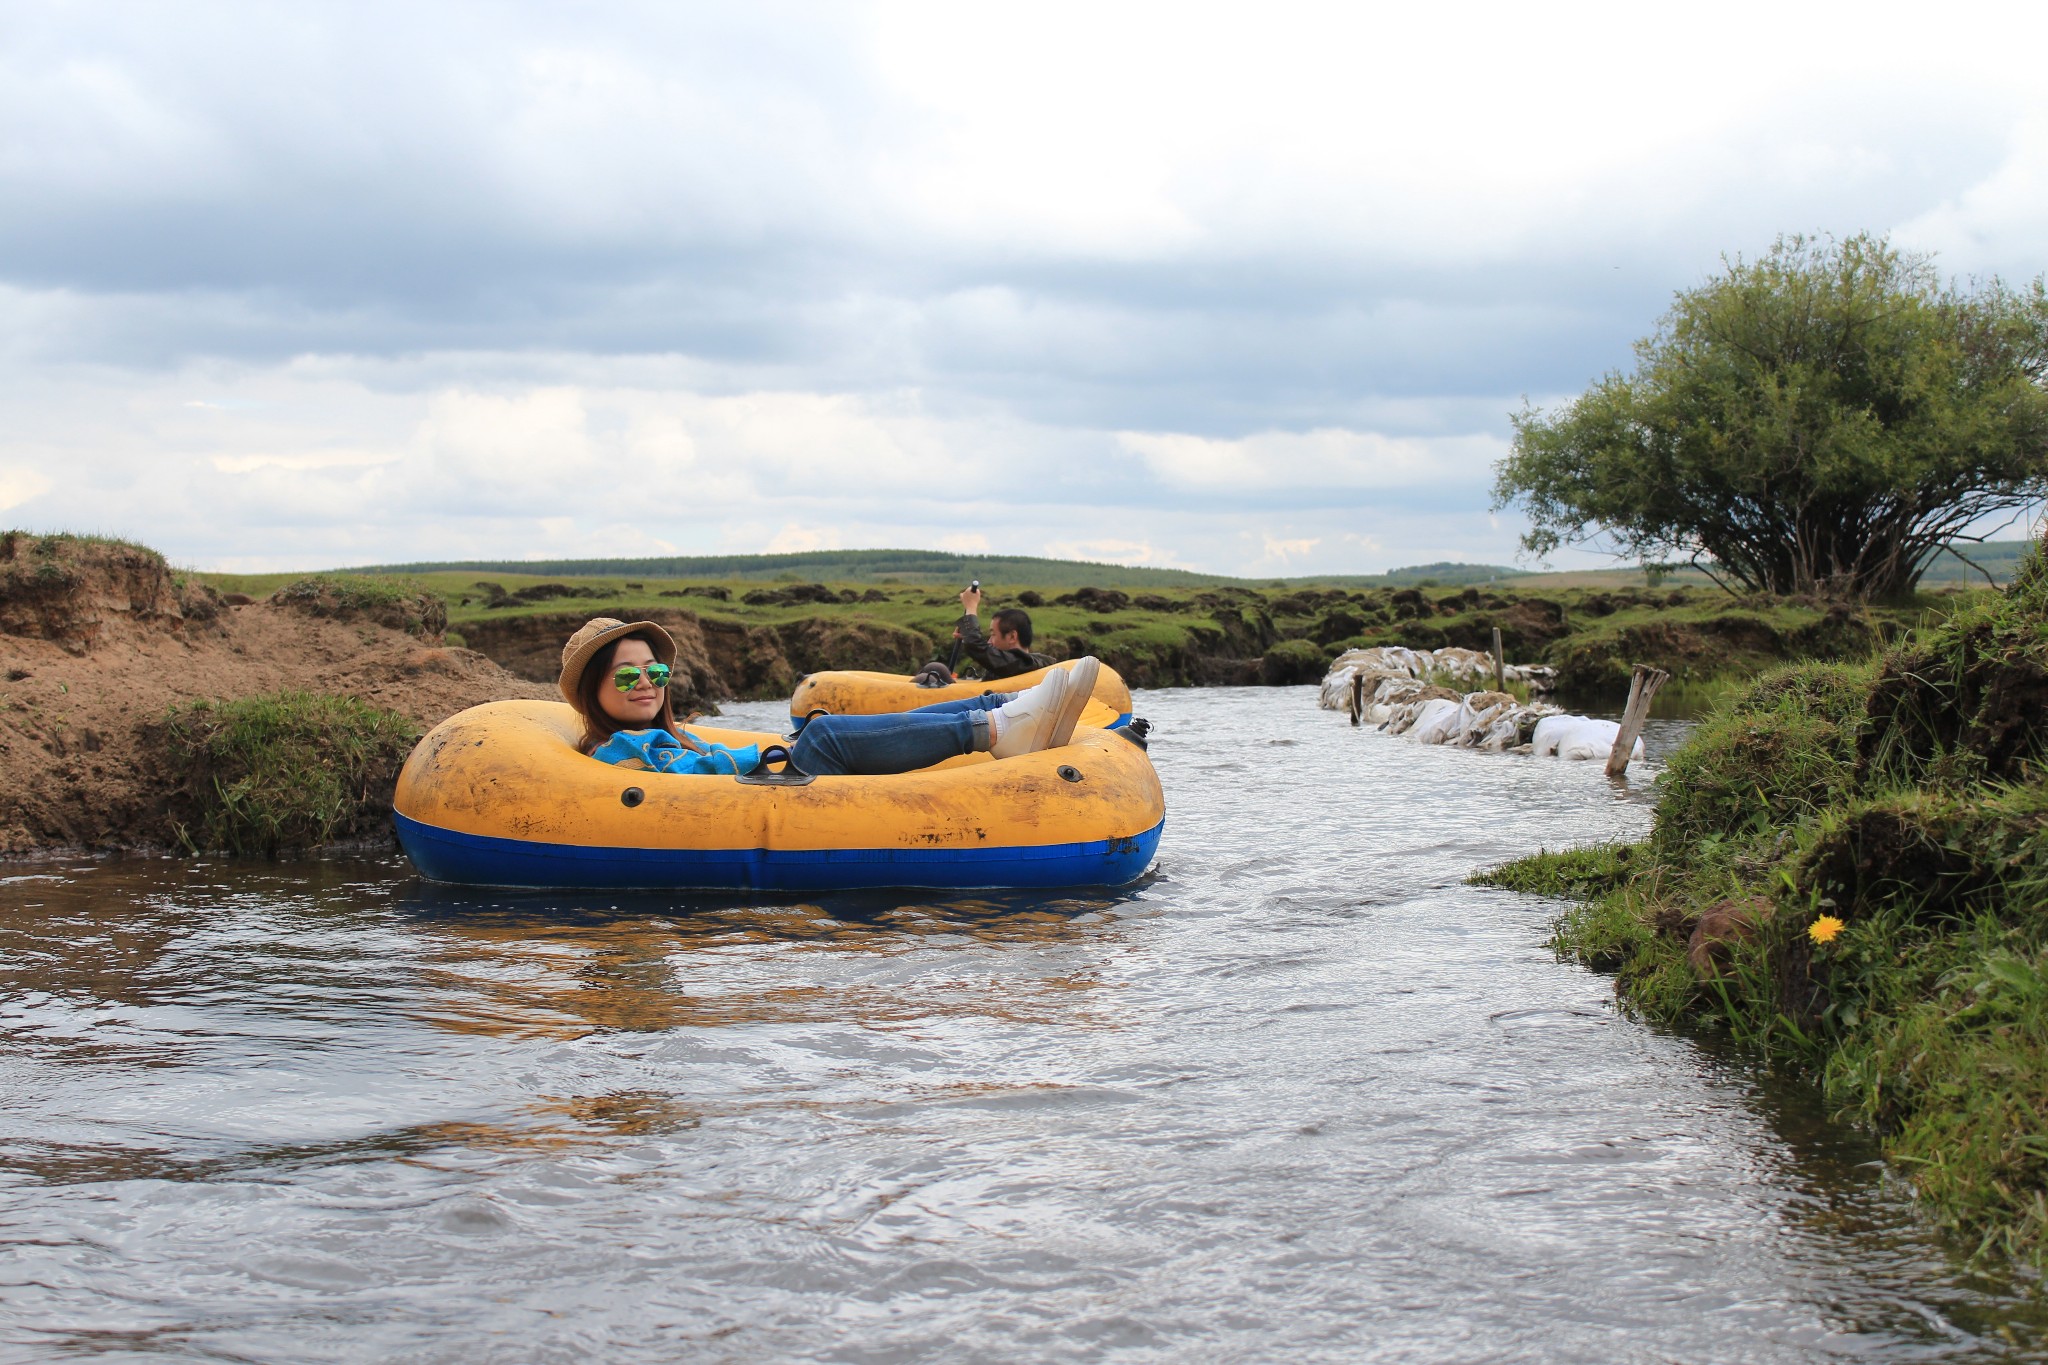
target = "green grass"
x: 399, y: 602
x: 1999, y: 558
x: 1567, y: 872
x: 354, y: 592
x: 1161, y: 635
x: 34, y: 545
x: 1907, y: 798
x: 1771, y: 755
x: 42, y: 564
x: 283, y: 772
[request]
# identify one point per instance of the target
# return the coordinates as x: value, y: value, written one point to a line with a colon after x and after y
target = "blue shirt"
x: 661, y: 752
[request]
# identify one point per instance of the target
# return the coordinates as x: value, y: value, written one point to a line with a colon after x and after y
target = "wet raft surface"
x: 1304, y: 1095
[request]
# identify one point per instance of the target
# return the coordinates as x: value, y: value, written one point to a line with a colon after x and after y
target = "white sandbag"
x: 1505, y: 730
x: 1336, y: 689
x: 1388, y: 693
x: 1401, y: 716
x: 1335, y: 694
x: 1577, y: 737
x: 1501, y: 733
x: 1536, y: 677
x: 1476, y: 712
x: 1385, y: 659
x: 1436, y: 721
x: 1465, y: 665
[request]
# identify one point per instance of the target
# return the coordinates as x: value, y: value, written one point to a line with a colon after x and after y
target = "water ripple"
x: 1299, y: 1095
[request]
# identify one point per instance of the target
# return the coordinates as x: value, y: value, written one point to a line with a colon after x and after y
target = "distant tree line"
x: 911, y: 566
x: 931, y: 567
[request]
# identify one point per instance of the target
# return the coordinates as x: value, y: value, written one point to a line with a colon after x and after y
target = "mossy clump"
x: 34, y: 564
x: 282, y: 772
x: 401, y: 603
x: 1905, y: 801
x: 1292, y: 662
x: 1776, y: 752
x: 33, y: 547
x: 1568, y: 872
x: 1959, y: 1075
x: 1938, y: 855
x: 71, y: 588
x: 1964, y: 703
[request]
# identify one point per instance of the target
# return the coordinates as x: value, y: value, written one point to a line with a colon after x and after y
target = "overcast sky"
x: 1245, y: 288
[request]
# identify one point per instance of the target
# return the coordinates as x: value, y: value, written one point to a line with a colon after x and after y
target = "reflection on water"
x: 645, y: 964
x: 1301, y: 1095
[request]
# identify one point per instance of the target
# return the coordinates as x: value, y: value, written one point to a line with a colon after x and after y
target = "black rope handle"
x: 790, y: 776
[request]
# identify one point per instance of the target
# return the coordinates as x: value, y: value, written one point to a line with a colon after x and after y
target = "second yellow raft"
x: 850, y: 692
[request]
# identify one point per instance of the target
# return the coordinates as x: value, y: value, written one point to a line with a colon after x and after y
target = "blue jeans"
x: 833, y: 746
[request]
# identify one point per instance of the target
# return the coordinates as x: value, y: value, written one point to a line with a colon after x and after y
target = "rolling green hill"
x: 940, y: 567
x: 2000, y: 558
x: 926, y: 567
x: 837, y: 566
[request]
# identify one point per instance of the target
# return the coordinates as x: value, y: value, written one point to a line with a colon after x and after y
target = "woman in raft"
x: 615, y: 673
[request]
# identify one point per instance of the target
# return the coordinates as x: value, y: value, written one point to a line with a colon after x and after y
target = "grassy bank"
x: 1848, y: 873
x: 282, y: 771
x: 1194, y: 634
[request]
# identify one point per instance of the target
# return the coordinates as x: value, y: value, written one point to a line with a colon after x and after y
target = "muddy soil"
x: 98, y: 639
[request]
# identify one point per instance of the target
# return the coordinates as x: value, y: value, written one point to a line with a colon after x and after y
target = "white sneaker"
x: 1080, y: 687
x: 1044, y: 716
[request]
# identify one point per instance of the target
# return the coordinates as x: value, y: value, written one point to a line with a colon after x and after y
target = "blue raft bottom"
x: 481, y: 860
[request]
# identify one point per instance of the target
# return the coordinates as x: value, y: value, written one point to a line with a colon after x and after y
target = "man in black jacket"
x: 1006, y: 650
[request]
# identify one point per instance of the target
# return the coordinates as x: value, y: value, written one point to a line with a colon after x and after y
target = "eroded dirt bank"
x: 99, y: 639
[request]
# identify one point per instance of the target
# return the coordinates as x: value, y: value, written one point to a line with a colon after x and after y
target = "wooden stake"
x: 1357, y: 697
x: 1642, y: 686
x: 1500, y: 664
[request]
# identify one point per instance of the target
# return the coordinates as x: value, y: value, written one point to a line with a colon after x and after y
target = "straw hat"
x: 598, y: 634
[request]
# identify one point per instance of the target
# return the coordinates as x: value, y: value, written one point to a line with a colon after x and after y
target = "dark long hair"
x: 599, y: 727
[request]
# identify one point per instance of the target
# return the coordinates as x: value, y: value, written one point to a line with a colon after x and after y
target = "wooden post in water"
x: 1357, y: 697
x: 1500, y: 664
x: 1641, y: 688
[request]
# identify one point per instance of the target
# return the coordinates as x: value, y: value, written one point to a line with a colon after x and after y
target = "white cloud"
x: 794, y: 539
x: 1187, y: 284
x: 325, y: 459
x: 1282, y: 549
x: 17, y: 486
x: 1112, y: 550
x: 1999, y: 219
x: 1179, y: 129
x: 1324, y: 458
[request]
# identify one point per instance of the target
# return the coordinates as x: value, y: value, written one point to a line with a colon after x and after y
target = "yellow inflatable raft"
x: 851, y: 693
x: 499, y: 796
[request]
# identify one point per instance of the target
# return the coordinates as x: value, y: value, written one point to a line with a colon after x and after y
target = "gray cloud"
x: 705, y: 203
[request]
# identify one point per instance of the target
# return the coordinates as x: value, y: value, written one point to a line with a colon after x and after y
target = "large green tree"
x: 1820, y: 420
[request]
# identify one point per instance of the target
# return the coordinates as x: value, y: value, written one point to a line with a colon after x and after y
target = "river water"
x: 1302, y: 1095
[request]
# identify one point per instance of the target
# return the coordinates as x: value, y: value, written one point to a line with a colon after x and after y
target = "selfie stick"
x: 953, y: 659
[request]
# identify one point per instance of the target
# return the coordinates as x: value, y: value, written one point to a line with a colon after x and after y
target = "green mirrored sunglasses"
x: 628, y: 678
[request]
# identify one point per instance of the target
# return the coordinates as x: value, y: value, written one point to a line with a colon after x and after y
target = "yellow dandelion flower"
x: 1824, y: 929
